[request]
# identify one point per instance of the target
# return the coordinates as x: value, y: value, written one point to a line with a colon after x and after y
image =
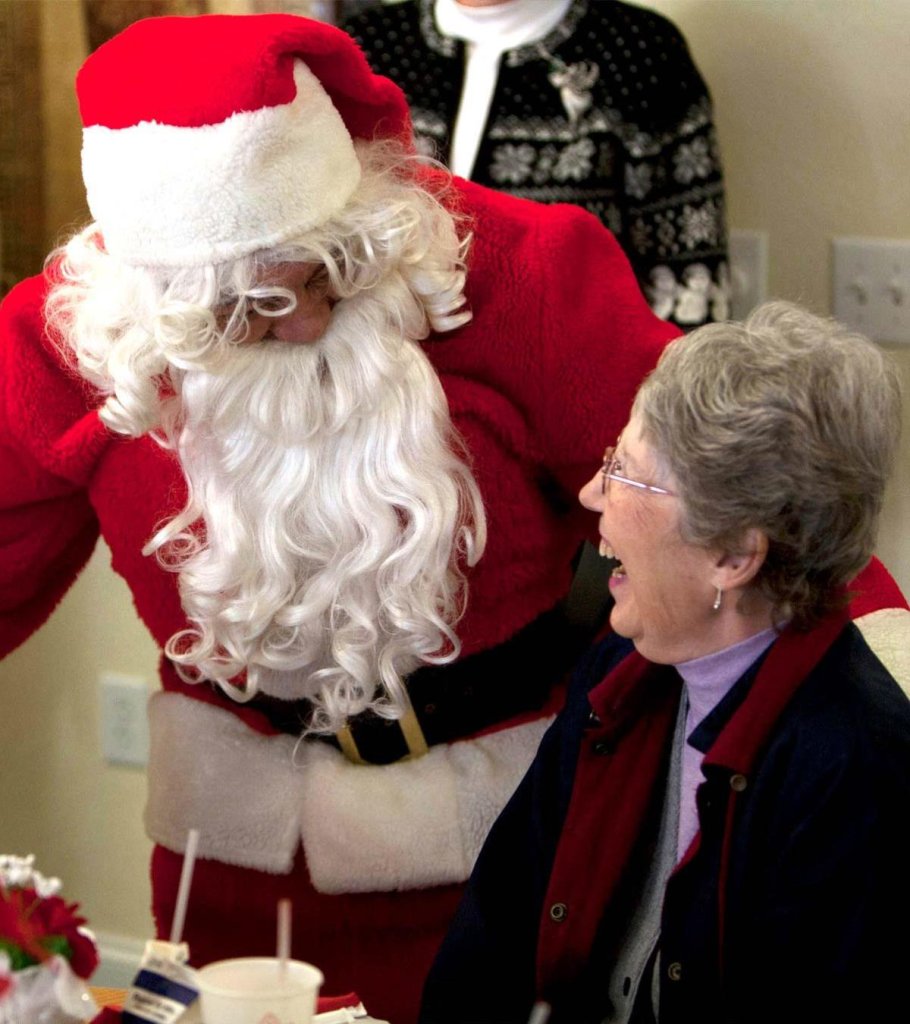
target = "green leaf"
x: 18, y: 958
x: 57, y: 944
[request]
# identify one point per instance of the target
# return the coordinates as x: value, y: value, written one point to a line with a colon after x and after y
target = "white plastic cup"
x: 251, y: 990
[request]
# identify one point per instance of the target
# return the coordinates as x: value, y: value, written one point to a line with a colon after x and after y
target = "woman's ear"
x: 737, y: 569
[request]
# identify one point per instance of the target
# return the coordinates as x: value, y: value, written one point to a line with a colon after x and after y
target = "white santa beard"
x: 333, y: 508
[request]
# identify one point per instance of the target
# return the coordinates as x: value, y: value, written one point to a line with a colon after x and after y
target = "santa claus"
x: 329, y: 408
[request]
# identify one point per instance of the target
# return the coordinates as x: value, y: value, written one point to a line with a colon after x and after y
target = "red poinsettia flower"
x: 35, y: 928
x: 13, y: 937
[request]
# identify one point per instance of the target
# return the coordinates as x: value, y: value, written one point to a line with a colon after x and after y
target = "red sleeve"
x: 874, y: 589
x: 49, y: 439
x: 598, y: 340
x: 561, y: 328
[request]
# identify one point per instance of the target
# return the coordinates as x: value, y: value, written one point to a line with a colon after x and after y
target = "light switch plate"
x: 748, y: 271
x: 124, y: 718
x: 871, y: 286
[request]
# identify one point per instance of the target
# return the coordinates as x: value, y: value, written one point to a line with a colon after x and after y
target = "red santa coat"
x: 539, y: 381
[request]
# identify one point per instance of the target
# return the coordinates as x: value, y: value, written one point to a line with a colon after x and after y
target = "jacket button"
x: 674, y: 971
x: 738, y: 783
x: 593, y: 719
x: 602, y: 747
x: 559, y: 912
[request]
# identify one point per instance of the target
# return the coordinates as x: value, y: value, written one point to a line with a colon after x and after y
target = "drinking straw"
x: 183, y: 890
x: 540, y: 1013
x: 284, y: 936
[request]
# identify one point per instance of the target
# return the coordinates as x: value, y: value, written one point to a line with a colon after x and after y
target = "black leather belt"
x: 456, y: 700
x: 474, y: 693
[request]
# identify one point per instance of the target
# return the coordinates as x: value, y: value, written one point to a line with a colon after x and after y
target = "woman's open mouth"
x: 605, y: 551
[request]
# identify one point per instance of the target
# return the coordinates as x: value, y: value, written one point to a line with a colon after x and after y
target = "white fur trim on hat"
x: 177, y: 196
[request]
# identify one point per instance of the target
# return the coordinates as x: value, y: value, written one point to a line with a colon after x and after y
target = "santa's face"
x: 300, y: 316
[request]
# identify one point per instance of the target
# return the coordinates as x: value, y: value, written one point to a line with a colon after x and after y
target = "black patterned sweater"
x: 607, y: 111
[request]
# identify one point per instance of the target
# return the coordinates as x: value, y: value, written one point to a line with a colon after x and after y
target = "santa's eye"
x: 274, y: 304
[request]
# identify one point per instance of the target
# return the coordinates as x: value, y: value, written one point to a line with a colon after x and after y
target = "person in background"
x: 594, y: 103
x: 297, y: 380
x: 713, y: 829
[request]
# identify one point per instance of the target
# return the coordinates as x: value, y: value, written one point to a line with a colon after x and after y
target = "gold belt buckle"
x: 410, y: 728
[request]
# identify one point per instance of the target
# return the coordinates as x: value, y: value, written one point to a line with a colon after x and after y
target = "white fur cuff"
x: 364, y: 828
x: 208, y: 771
x: 887, y: 632
x: 410, y: 824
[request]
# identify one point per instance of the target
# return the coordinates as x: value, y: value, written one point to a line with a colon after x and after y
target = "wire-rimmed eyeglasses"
x: 609, y: 472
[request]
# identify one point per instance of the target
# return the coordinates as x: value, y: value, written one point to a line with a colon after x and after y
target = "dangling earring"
x: 717, y: 600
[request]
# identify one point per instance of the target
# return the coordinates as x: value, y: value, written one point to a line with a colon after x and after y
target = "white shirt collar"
x: 502, y: 26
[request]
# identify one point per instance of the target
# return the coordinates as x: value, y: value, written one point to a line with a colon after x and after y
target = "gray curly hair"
x: 788, y: 423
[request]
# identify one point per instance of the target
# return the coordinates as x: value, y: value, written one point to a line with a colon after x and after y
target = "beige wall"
x: 81, y: 817
x: 811, y: 106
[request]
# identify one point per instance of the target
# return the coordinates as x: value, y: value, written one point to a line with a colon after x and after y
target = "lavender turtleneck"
x: 707, y: 681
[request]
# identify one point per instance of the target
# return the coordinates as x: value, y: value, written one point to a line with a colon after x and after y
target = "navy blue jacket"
x: 791, y: 905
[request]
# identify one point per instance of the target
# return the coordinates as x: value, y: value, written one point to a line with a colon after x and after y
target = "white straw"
x: 183, y: 890
x: 540, y: 1013
x: 284, y: 936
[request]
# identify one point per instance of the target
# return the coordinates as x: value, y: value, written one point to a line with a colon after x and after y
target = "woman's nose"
x: 591, y: 495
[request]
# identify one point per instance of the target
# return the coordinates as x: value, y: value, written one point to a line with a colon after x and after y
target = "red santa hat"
x: 207, y: 138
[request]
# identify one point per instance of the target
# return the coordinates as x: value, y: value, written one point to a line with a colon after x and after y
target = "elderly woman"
x: 712, y: 829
